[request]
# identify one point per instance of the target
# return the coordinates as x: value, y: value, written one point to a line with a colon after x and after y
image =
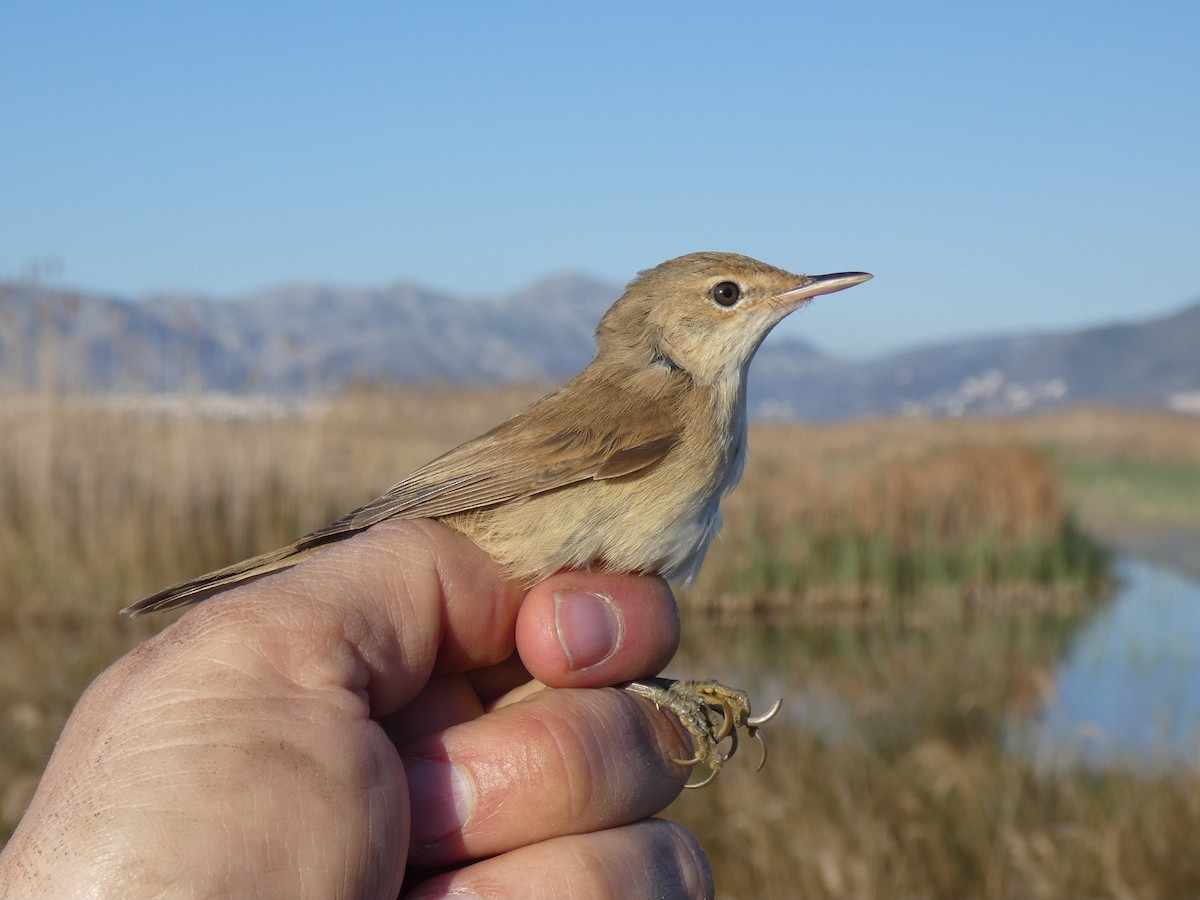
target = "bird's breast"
x: 659, y: 520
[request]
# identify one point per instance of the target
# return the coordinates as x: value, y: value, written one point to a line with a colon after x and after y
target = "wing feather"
x: 491, y: 470
x: 514, y: 460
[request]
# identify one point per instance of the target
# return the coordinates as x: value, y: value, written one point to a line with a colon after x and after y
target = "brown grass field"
x: 920, y: 577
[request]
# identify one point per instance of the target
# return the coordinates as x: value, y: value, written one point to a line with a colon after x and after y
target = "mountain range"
x: 311, y: 338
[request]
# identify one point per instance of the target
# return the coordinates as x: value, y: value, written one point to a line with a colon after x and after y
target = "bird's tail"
x: 196, y: 589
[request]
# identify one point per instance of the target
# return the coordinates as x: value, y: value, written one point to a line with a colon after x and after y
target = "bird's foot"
x: 711, y: 713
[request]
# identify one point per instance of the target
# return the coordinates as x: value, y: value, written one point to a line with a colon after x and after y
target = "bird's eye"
x: 726, y: 293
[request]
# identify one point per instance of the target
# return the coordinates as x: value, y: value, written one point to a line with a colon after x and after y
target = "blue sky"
x: 999, y: 167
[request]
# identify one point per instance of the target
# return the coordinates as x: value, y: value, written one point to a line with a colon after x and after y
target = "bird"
x: 622, y: 469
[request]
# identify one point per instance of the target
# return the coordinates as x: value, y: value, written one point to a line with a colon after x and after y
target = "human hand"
x: 348, y: 728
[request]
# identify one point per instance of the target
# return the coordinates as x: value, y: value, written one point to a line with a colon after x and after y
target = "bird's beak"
x: 815, y: 285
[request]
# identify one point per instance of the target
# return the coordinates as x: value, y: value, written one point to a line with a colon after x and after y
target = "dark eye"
x: 726, y: 293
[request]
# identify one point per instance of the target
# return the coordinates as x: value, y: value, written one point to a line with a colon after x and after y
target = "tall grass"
x: 816, y: 527
x: 111, y: 499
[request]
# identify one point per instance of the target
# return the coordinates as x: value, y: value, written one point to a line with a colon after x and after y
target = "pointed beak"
x: 815, y: 285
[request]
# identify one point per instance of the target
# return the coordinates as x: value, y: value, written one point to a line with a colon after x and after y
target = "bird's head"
x: 706, y: 313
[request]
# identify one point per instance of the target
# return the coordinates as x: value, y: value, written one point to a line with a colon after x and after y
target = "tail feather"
x: 196, y: 589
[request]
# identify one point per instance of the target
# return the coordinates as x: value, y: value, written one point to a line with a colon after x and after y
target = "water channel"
x: 1127, y: 690
x: 1122, y: 691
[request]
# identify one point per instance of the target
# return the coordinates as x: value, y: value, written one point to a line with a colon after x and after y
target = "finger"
x: 445, y: 701
x: 375, y: 614
x: 459, y: 697
x: 579, y: 629
x: 494, y: 681
x: 651, y: 859
x: 560, y: 762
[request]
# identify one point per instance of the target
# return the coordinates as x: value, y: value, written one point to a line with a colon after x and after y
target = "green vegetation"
x: 1148, y: 494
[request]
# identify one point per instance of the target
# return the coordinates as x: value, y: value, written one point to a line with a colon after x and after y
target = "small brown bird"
x: 622, y: 469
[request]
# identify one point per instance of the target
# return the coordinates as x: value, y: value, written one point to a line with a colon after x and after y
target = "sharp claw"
x: 763, y: 743
x: 767, y: 716
x: 690, y: 763
x: 728, y: 723
x: 708, y: 780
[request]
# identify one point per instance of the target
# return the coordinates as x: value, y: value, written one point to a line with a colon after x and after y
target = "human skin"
x: 359, y: 726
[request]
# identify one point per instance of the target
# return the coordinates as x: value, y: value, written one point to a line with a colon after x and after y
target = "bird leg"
x: 710, y: 712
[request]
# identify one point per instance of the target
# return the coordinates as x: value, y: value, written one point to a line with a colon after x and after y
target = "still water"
x: 1124, y: 691
x: 1127, y: 689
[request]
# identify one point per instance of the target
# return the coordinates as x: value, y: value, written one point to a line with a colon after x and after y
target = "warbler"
x: 622, y: 469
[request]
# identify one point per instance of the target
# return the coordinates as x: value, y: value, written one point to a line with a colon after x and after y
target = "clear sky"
x: 998, y: 166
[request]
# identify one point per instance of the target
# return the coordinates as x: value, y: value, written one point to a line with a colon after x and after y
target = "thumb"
x: 378, y: 613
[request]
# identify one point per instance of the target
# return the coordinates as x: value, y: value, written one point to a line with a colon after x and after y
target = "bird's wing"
x: 517, y: 459
x: 510, y: 463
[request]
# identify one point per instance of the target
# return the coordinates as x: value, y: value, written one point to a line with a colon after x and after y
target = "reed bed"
x: 118, y: 496
x: 885, y: 554
x: 817, y: 526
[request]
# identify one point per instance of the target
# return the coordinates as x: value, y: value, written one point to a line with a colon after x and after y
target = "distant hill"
x: 308, y: 338
x: 300, y: 338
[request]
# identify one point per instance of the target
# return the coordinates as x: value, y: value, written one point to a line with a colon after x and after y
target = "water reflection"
x: 1116, y: 684
x: 1127, y: 691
